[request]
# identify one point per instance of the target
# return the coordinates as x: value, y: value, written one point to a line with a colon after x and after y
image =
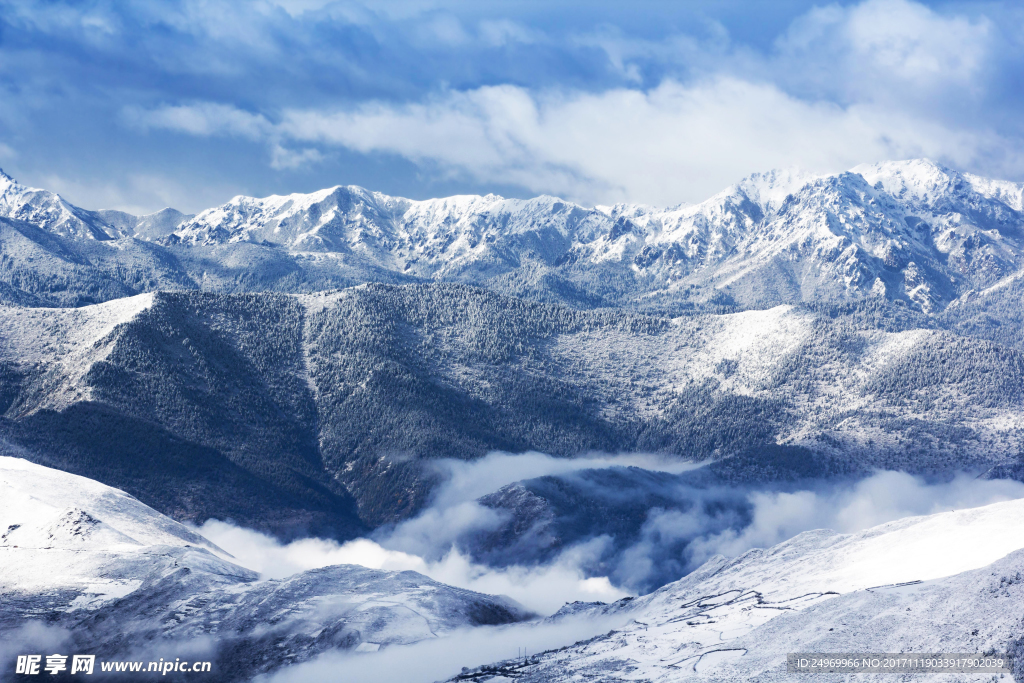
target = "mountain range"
x: 87, y: 568
x: 320, y: 364
x: 791, y: 326
x: 913, y: 232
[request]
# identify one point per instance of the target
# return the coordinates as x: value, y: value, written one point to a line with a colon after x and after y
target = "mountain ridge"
x: 912, y: 232
x: 335, y: 403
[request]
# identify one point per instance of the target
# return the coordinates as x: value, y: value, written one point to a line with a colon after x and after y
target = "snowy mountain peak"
x: 771, y: 188
x: 923, y: 180
x: 8, y: 186
x: 910, y: 230
x: 919, y: 179
x: 50, y: 212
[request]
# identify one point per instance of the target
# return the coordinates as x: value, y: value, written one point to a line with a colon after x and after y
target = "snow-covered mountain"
x: 910, y: 231
x: 51, y: 212
x: 123, y: 581
x: 151, y: 226
x: 110, y: 576
x: 323, y: 413
x: 299, y: 363
x: 949, y: 582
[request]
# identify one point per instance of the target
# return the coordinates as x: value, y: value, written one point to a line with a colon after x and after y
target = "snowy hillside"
x: 286, y: 412
x: 121, y: 579
x: 949, y: 582
x: 111, y: 576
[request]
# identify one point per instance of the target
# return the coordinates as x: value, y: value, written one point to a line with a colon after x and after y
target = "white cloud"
x: 7, y: 153
x: 673, y: 143
x: 299, y: 7
x: 283, y: 158
x: 883, y: 497
x: 670, y: 543
x: 501, y: 32
x: 203, y: 119
x: 891, y: 51
x: 465, y: 481
x: 275, y: 560
x: 543, y: 589
x: 885, y: 79
x: 445, y: 29
x: 428, y: 542
x: 441, y: 658
x: 32, y: 637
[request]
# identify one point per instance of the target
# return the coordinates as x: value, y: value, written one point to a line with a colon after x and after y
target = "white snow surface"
x: 948, y: 582
x: 36, y: 497
x: 59, y: 531
x: 67, y: 341
x: 71, y: 547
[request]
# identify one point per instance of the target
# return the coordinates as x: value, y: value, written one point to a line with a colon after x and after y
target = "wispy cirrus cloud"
x: 203, y: 119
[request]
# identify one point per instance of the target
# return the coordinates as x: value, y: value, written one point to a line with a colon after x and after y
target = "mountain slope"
x: 333, y: 405
x: 41, y: 268
x: 897, y: 587
x: 124, y: 582
x: 195, y: 419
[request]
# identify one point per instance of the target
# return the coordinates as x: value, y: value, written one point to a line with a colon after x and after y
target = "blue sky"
x: 143, y: 104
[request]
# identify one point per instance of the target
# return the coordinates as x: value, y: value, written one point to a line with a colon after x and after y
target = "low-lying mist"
x: 544, y: 541
x: 441, y: 658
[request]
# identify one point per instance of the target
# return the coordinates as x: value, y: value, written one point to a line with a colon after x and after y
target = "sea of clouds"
x: 670, y: 543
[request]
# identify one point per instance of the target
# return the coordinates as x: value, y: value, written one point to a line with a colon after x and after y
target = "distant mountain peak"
x: 770, y: 188
x: 912, y: 230
x: 48, y: 210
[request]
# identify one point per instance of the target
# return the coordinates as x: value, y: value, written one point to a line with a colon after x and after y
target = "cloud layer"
x: 424, y: 98
x: 673, y: 540
x: 441, y: 658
